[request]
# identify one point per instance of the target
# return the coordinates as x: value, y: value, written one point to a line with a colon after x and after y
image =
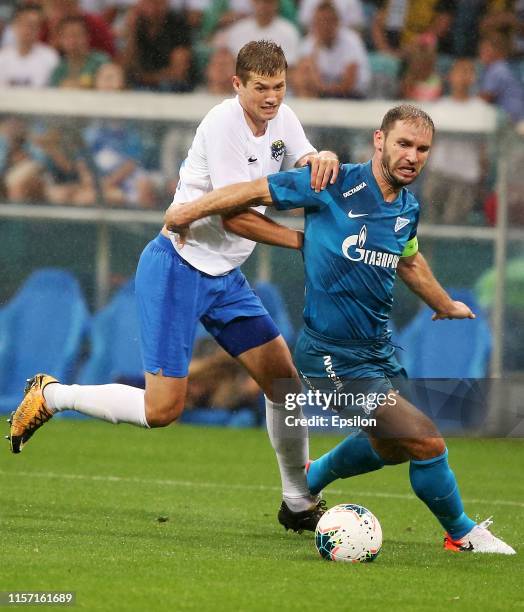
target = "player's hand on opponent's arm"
x: 456, y: 310
x: 324, y: 168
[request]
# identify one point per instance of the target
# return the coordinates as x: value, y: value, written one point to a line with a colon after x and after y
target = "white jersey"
x: 347, y: 49
x: 225, y: 151
x: 350, y: 12
x: 31, y: 70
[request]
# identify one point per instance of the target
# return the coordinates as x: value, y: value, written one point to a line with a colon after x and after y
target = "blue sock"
x: 435, y: 484
x: 352, y: 456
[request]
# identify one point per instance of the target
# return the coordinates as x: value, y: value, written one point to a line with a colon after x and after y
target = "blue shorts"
x: 172, y: 296
x: 348, y: 365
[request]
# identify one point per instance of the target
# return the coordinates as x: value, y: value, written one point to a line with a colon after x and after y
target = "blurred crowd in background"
x: 443, y: 51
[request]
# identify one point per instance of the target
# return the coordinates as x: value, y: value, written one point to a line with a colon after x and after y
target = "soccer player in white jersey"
x: 241, y: 139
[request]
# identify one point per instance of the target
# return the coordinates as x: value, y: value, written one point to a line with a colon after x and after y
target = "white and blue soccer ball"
x: 349, y: 533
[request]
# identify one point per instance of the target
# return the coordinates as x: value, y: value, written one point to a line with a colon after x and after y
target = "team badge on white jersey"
x: 400, y: 223
x: 278, y: 148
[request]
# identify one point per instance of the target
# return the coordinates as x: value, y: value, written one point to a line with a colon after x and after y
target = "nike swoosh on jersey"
x: 353, y: 215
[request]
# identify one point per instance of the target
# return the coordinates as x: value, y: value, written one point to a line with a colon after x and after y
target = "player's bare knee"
x: 436, y: 447
x: 162, y: 419
x: 426, y: 448
x: 163, y: 414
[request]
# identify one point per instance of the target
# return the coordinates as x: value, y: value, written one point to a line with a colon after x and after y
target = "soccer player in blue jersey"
x: 359, y: 233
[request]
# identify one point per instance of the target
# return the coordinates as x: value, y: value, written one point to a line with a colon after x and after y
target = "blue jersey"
x: 352, y: 244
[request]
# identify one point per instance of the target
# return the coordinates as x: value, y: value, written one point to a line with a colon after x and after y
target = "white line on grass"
x: 217, y: 485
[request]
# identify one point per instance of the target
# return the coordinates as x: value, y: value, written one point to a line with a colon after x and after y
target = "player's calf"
x: 271, y: 366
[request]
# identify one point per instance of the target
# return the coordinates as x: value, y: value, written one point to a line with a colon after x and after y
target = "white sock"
x: 113, y: 403
x: 291, y: 446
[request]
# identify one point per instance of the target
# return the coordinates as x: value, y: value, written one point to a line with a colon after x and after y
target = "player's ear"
x: 236, y: 84
x: 378, y: 139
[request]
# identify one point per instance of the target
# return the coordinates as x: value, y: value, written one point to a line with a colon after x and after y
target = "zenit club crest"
x: 278, y: 148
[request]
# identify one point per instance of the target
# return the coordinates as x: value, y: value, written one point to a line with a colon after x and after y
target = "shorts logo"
x: 400, y: 223
x: 353, y: 248
x: 331, y: 374
x: 278, y: 148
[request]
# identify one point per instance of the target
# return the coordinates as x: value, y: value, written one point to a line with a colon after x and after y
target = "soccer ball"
x: 350, y: 533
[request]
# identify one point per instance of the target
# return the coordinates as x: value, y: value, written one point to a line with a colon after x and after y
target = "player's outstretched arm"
x: 417, y: 275
x: 230, y: 199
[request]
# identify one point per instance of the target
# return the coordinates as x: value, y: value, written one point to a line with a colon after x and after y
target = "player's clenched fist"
x: 176, y: 222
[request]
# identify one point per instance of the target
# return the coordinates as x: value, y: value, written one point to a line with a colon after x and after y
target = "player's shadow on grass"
x: 390, y: 553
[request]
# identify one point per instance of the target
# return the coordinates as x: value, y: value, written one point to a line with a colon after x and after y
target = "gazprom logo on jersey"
x: 353, y: 248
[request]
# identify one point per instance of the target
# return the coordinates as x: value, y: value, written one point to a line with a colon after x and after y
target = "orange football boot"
x: 32, y: 412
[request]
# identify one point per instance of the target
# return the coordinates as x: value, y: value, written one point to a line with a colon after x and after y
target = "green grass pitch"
x: 185, y: 519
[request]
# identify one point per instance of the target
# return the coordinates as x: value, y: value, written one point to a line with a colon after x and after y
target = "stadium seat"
x: 272, y: 299
x: 394, y: 331
x: 41, y: 330
x: 115, y: 350
x: 395, y: 338
x: 220, y: 417
x: 447, y: 349
x: 456, y: 353
x: 513, y: 335
x: 209, y: 417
